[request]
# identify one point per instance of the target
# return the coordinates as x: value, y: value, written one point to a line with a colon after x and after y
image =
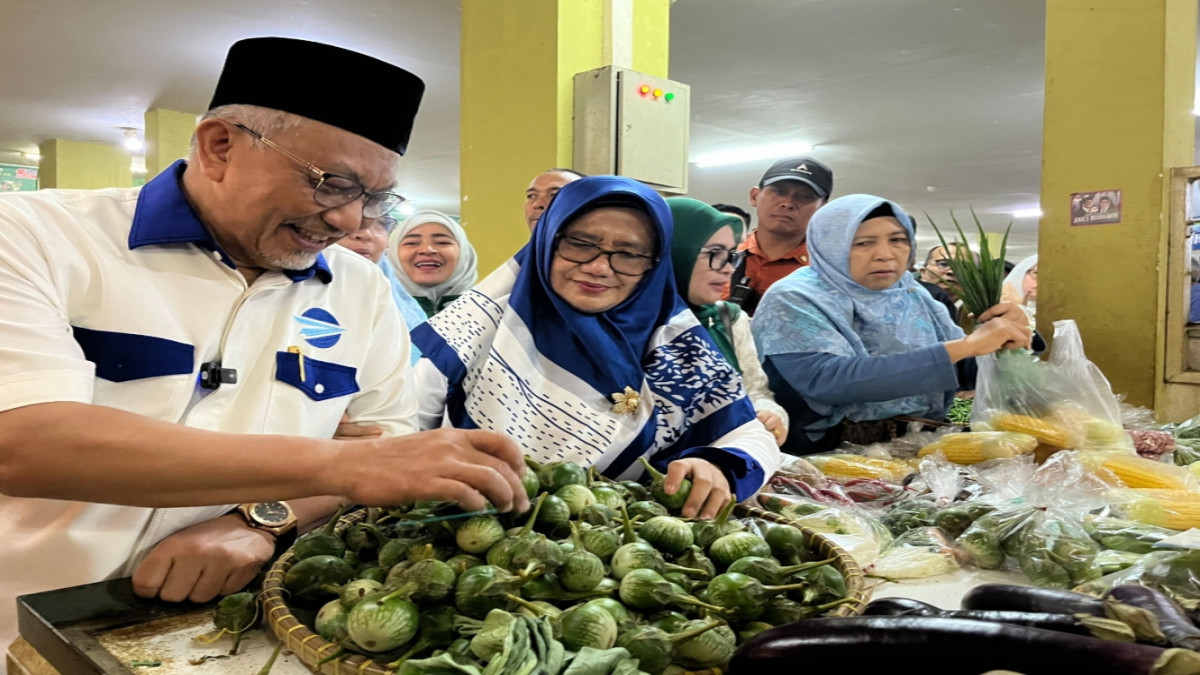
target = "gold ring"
x: 777, y: 433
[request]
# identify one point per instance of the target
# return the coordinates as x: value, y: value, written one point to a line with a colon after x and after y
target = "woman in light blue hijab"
x: 853, y: 339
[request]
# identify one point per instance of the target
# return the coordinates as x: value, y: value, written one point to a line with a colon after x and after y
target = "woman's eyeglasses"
x: 622, y: 262
x: 720, y: 257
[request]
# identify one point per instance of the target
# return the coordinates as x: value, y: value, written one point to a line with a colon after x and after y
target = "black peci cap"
x: 339, y: 87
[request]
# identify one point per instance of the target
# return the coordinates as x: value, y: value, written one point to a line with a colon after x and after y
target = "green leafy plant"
x: 980, y: 276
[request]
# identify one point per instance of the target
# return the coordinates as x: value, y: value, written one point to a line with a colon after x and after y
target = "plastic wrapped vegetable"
x: 1064, y: 401
x: 1042, y: 530
x: 981, y: 446
x: 1175, y: 573
x: 917, y: 554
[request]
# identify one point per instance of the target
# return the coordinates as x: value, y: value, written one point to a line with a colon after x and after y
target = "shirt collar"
x: 799, y: 254
x: 164, y: 216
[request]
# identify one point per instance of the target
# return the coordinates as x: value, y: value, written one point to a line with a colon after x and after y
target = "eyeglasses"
x: 334, y: 191
x: 720, y: 257
x: 583, y: 252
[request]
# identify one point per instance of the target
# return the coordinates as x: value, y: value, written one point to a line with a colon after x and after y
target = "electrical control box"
x: 634, y: 125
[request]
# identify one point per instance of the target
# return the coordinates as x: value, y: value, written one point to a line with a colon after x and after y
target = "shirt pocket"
x: 123, y: 357
x: 319, y: 380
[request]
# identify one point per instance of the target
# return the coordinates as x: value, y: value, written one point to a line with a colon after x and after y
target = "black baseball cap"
x: 804, y: 169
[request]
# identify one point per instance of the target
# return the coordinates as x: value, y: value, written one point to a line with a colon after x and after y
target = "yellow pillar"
x: 74, y: 164
x: 168, y: 135
x: 518, y: 61
x: 1119, y: 90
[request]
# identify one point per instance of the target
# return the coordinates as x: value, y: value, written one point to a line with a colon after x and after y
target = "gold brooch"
x: 627, y: 402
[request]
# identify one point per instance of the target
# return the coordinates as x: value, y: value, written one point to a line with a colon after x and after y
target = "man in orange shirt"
x: 789, y: 193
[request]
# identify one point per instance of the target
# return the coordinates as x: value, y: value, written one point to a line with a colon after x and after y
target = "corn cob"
x: 1137, y: 472
x: 980, y: 446
x: 1045, y: 431
x: 1167, y: 494
x: 855, y: 466
x: 1173, y: 513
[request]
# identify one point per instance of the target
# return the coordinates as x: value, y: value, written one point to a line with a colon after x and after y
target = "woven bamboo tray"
x: 312, y: 648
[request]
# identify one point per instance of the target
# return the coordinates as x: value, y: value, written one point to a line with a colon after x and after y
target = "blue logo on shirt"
x: 319, y: 328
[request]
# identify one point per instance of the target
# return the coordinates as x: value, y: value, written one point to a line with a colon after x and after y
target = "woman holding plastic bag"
x: 853, y: 341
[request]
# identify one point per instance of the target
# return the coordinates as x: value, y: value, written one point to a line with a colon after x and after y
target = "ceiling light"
x: 132, y: 142
x: 752, y: 153
x: 406, y: 209
x: 1027, y: 213
x: 31, y: 156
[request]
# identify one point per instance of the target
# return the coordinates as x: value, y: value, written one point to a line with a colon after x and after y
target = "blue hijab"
x: 821, y: 309
x: 518, y: 358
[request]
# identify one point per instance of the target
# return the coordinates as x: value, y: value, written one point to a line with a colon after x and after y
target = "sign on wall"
x: 15, y: 178
x: 1096, y: 208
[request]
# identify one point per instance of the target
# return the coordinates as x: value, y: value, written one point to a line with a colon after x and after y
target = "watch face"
x: 270, y: 513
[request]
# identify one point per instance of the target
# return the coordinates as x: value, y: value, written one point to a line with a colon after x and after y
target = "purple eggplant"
x: 1065, y: 623
x: 1172, y: 619
x: 904, y: 645
x: 1005, y: 597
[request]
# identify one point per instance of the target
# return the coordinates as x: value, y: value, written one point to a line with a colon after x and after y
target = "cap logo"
x: 802, y: 168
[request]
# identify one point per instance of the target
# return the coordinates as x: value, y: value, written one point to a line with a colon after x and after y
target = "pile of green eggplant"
x: 599, y: 577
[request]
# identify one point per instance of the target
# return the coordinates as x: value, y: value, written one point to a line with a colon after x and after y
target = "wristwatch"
x: 274, y: 517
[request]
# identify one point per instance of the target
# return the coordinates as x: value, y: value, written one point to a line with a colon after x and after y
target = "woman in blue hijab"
x: 853, y: 340
x: 581, y: 349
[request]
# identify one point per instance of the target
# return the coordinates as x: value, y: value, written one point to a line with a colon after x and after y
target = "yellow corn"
x: 1173, y: 513
x: 1167, y: 494
x: 1138, y: 472
x: 855, y: 466
x: 980, y: 446
x: 1045, y: 431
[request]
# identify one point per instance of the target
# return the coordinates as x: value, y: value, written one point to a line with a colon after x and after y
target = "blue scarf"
x: 520, y: 359
x: 820, y: 308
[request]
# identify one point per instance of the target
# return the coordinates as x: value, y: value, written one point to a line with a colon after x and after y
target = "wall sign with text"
x: 15, y: 178
x: 1096, y: 208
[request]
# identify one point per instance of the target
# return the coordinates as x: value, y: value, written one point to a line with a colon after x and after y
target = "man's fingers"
x: 519, y: 501
x: 238, y: 579
x: 460, y: 493
x: 149, y: 576
x: 497, y: 445
x: 180, y: 581
x: 485, y: 480
x: 208, y: 585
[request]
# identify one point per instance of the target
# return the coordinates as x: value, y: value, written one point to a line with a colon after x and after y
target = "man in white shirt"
x: 170, y: 352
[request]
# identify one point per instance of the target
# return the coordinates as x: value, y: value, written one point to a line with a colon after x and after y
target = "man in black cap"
x: 171, y: 352
x: 789, y: 193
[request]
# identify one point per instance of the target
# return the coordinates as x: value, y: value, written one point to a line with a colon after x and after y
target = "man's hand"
x: 200, y: 562
x: 710, y: 488
x: 774, y: 424
x: 349, y: 431
x: 470, y: 467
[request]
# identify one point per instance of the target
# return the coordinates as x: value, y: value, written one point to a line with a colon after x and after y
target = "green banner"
x: 15, y: 178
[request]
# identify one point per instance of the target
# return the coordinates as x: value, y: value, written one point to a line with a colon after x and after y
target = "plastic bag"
x: 1038, y: 521
x: 917, y: 554
x: 980, y: 446
x: 1176, y: 573
x: 850, y: 527
x: 1187, y: 441
x: 1065, y: 401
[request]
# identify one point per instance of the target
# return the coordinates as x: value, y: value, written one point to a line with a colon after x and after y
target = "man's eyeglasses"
x: 720, y: 257
x: 334, y: 191
x: 583, y: 252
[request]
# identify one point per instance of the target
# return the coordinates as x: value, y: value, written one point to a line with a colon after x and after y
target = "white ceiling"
x: 936, y: 104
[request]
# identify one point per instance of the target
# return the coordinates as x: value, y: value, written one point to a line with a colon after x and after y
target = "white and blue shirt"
x: 116, y: 298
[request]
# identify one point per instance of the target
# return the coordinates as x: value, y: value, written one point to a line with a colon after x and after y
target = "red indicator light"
x: 645, y: 89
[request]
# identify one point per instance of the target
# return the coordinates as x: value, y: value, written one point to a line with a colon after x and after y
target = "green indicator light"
x: 670, y: 96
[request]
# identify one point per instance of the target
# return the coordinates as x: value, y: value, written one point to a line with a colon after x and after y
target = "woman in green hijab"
x: 704, y: 254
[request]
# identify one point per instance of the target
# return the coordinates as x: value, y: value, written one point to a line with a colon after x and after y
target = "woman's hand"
x: 998, y: 333
x: 710, y: 489
x: 1009, y: 311
x: 774, y: 424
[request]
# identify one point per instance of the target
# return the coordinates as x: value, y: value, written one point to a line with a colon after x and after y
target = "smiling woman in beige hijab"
x: 433, y: 259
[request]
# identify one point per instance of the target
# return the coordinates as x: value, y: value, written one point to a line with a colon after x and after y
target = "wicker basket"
x: 312, y: 648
